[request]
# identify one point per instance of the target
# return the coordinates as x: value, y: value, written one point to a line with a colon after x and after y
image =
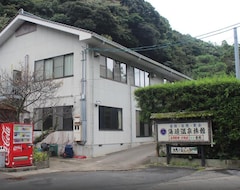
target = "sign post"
x: 184, y: 137
x: 202, y: 156
x: 168, y: 147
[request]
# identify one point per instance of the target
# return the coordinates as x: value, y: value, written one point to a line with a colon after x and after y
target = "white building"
x: 98, y: 78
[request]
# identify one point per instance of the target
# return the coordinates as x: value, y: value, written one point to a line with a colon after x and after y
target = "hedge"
x: 218, y: 96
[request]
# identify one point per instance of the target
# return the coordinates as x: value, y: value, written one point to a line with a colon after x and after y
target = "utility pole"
x: 236, y: 53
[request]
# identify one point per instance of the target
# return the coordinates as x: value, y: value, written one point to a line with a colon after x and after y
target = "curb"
x: 19, y: 169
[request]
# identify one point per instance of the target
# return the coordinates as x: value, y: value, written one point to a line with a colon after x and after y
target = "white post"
x: 236, y: 53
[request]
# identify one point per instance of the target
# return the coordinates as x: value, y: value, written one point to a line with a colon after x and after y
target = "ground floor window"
x: 143, y: 129
x: 110, y: 118
x: 57, y: 118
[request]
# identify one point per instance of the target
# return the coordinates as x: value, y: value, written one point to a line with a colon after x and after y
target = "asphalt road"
x: 154, y: 178
x: 122, y: 170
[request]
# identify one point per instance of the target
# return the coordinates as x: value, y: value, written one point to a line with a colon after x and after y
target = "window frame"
x: 107, y: 118
x: 119, y: 71
x: 42, y: 73
x: 50, y: 116
x: 140, y: 77
x: 113, y: 70
x: 143, y: 129
x: 58, y: 68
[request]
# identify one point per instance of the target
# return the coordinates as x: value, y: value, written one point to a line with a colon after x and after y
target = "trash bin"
x: 53, y: 149
x: 45, y: 147
x: 2, y: 157
x: 68, y: 151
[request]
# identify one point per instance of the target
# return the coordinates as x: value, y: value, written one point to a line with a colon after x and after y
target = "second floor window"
x: 141, y: 78
x: 114, y: 70
x: 52, y: 68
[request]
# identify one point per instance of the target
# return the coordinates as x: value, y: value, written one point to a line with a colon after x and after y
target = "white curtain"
x: 48, y: 67
x: 68, y: 65
x: 58, y: 67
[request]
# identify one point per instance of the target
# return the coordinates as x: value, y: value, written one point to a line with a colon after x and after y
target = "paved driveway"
x: 123, y: 160
x: 132, y: 158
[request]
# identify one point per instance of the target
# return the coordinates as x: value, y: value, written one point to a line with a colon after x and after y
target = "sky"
x: 198, y: 17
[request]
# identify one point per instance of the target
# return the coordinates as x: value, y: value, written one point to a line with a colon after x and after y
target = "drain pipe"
x: 83, y: 99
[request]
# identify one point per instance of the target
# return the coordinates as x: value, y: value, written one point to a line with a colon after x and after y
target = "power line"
x: 215, y: 31
x: 162, y: 46
x: 214, y: 34
x: 202, y: 36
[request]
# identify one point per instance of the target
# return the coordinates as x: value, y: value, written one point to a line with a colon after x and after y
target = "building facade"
x: 94, y: 109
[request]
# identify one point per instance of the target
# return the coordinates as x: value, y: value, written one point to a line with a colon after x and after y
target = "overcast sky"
x: 197, y: 17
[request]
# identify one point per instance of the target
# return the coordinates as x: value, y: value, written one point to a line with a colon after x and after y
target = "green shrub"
x: 220, y: 96
x: 39, y: 156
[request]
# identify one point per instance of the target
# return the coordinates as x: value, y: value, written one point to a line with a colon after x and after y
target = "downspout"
x: 131, y: 112
x: 83, y: 99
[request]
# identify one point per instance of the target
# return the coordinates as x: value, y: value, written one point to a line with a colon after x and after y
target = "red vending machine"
x: 17, y: 140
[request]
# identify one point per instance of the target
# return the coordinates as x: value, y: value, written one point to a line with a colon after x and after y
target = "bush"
x: 220, y: 96
x: 39, y: 156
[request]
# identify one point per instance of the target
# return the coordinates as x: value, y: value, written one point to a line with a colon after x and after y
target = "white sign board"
x: 184, y: 150
x: 189, y: 132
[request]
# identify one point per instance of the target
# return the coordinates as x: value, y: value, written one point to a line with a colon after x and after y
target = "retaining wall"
x: 216, y: 163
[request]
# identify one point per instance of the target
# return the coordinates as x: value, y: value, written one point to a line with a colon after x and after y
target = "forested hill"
x: 135, y: 24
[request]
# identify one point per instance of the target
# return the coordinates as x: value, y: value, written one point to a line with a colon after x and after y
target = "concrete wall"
x: 47, y: 43
x: 42, y: 44
x: 215, y: 163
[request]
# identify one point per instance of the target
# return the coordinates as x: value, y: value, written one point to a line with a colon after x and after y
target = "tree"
x: 3, y: 20
x: 218, y: 97
x: 207, y: 66
x: 132, y: 23
x: 21, y: 90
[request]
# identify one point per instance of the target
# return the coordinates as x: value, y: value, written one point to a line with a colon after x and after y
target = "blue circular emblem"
x: 163, y: 131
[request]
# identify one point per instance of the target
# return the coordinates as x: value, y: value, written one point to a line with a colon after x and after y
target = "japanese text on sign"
x: 184, y: 132
x: 184, y: 150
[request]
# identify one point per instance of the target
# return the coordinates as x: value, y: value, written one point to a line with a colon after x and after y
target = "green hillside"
x: 137, y: 25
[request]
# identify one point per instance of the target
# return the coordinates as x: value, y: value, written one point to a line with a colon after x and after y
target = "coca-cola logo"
x: 6, y: 131
x: 6, y: 138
